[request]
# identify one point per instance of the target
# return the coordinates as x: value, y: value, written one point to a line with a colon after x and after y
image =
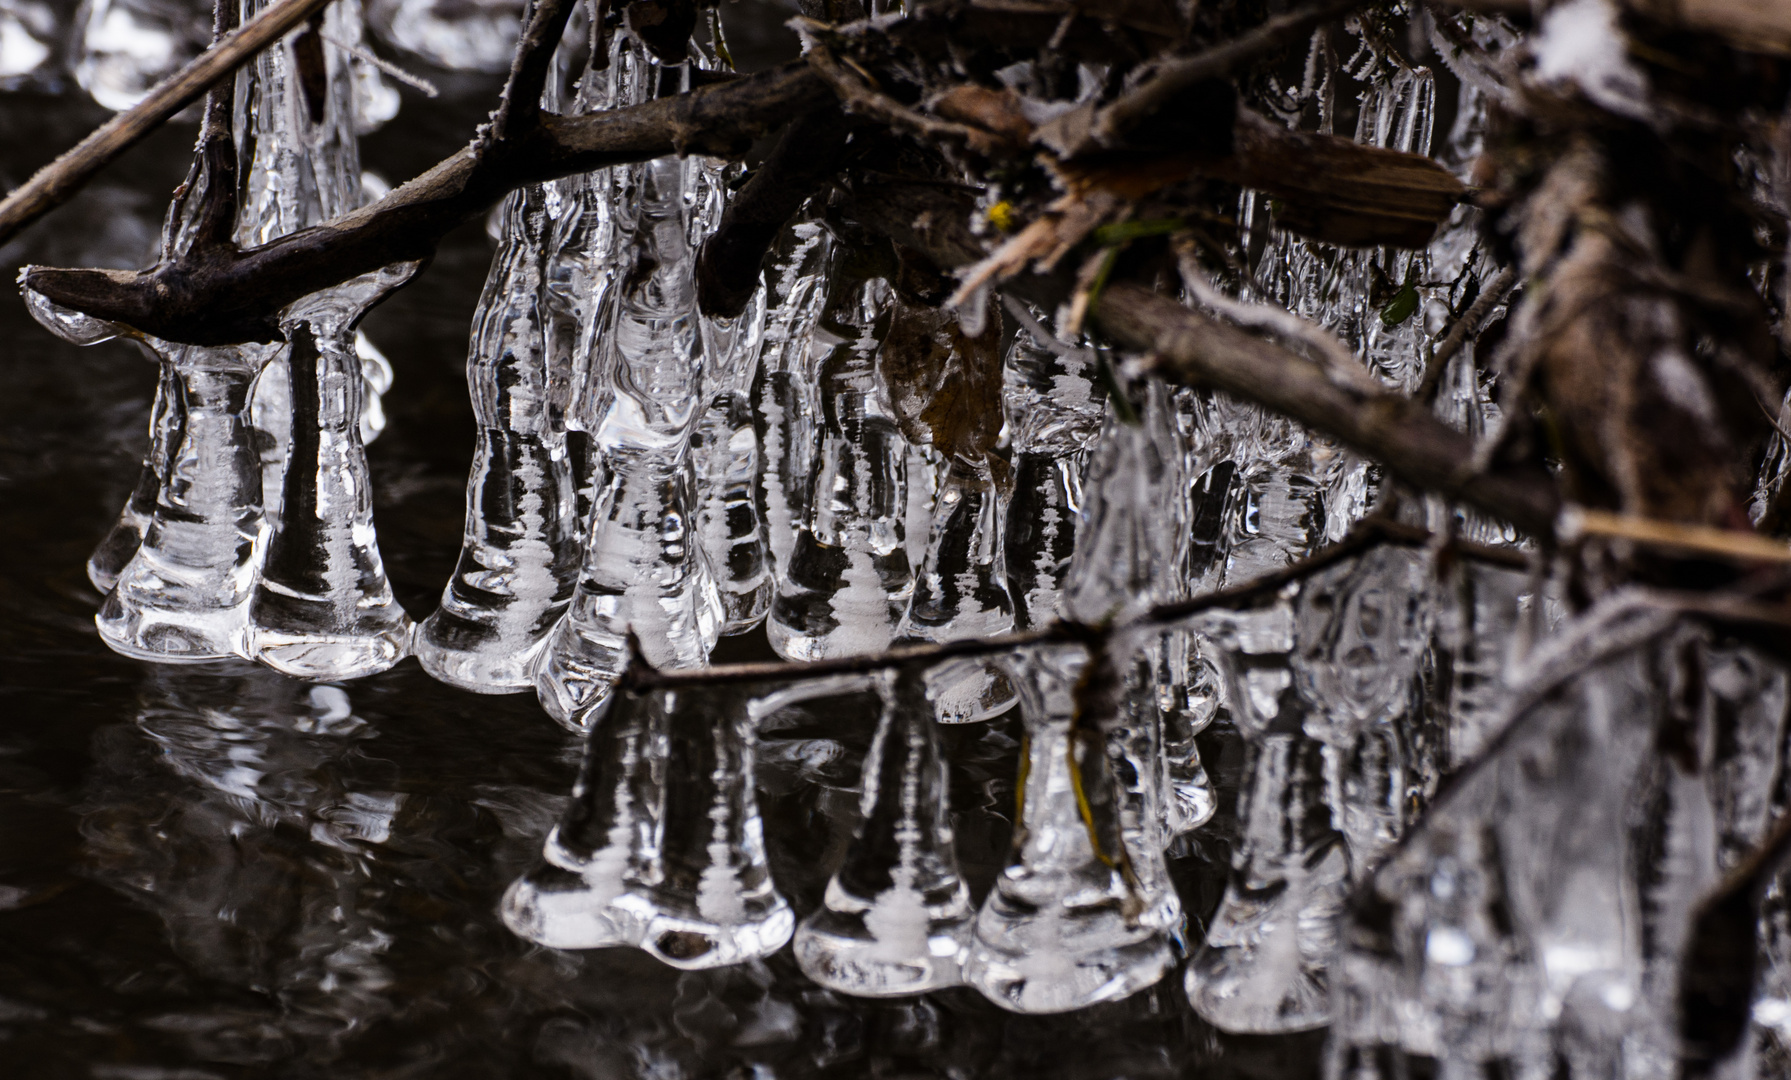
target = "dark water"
x: 219, y: 872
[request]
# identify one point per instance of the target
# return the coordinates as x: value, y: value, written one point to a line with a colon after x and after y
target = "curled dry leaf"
x: 944, y: 385
x: 994, y: 111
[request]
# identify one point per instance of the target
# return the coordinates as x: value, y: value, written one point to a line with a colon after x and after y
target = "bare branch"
x: 1400, y: 433
x: 641, y: 676
x: 1087, y: 129
x: 235, y: 296
x: 519, y: 109
x: 57, y: 182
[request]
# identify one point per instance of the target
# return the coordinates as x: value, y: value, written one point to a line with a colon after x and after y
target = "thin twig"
x: 1149, y: 97
x: 1469, y: 323
x: 858, y: 96
x: 519, y: 109
x: 57, y: 182
x: 1679, y: 536
x: 641, y: 676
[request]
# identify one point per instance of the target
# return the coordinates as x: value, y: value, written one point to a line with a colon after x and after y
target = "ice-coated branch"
x: 55, y: 183
x: 233, y: 296
x: 642, y: 676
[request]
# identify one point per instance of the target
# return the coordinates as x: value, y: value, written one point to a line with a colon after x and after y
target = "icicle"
x: 961, y: 592
x: 1263, y: 967
x: 185, y: 594
x: 126, y: 536
x: 643, y: 568
x: 1129, y: 555
x: 896, y: 913
x: 848, y: 581
x: 1064, y: 925
x: 727, y: 451
x: 451, y: 34
x: 517, y: 565
x: 125, y: 47
x: 323, y: 608
x: 1534, y: 922
x: 32, y: 33
x: 662, y: 847
x: 787, y: 389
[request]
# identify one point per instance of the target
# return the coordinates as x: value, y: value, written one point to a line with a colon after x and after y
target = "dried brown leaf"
x: 944, y: 386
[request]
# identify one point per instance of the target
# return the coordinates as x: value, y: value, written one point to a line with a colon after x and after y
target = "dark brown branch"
x: 1088, y: 129
x: 218, y: 164
x: 1393, y: 429
x: 519, y: 109
x: 235, y: 296
x: 727, y: 269
x: 641, y: 676
x: 56, y: 183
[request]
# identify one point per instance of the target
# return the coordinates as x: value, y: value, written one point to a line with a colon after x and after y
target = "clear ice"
x: 896, y: 914
x: 644, y: 568
x: 847, y: 582
x: 662, y: 848
x: 1082, y: 913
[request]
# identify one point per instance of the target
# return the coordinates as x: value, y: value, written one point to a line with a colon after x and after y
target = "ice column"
x: 126, y: 536
x: 1129, y: 555
x: 181, y: 595
x: 519, y: 559
x: 184, y: 595
x: 1263, y: 966
x: 896, y: 914
x: 787, y: 388
x: 1065, y: 925
x: 726, y: 444
x: 643, y: 569
x: 961, y: 592
x: 663, y: 847
x: 1054, y: 410
x: 847, y: 582
x: 323, y: 608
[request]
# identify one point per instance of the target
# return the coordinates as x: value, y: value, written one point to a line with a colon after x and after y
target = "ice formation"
x: 647, y: 475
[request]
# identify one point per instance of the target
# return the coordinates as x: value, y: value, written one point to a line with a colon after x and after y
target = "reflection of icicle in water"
x: 515, y: 574
x: 896, y: 914
x: 787, y: 391
x: 662, y: 847
x: 961, y: 592
x: 642, y: 567
x: 323, y: 608
x: 1534, y: 923
x: 1262, y: 968
x: 847, y: 582
x: 1062, y: 928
